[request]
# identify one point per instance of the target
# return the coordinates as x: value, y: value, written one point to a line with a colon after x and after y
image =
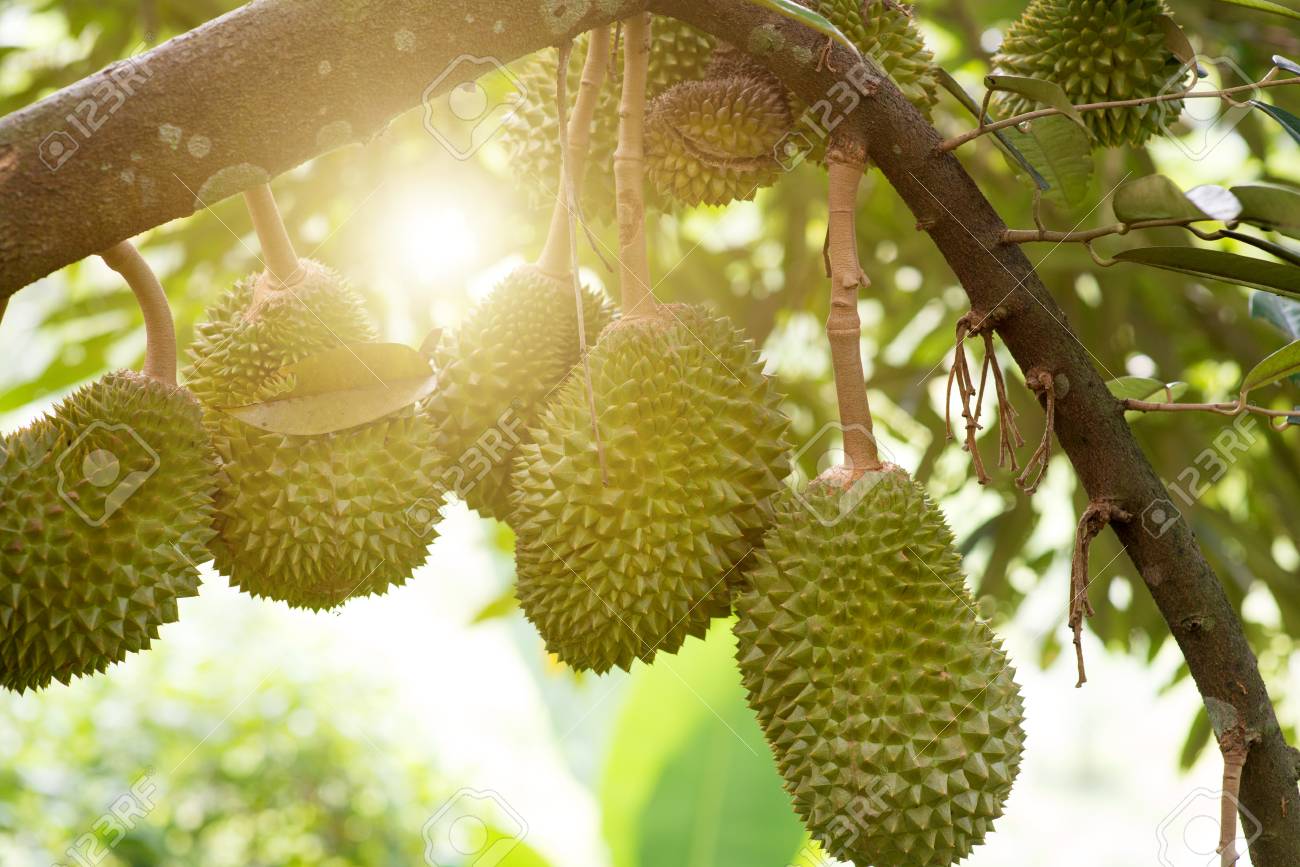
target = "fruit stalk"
x: 629, y: 172
x: 281, y: 260
x: 160, y: 332
x: 555, y: 259
x: 843, y: 326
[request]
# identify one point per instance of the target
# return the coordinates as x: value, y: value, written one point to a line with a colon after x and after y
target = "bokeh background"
x: 257, y: 735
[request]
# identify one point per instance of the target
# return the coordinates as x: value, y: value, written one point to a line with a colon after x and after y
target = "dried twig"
x: 1042, y: 383
x: 972, y: 398
x: 1095, y: 518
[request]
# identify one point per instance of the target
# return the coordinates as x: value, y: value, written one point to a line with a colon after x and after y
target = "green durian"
x: 309, y: 520
x: 715, y: 141
x: 890, y: 706
x: 496, y: 375
x: 1097, y: 51
x: 885, y: 31
x: 678, y: 53
x: 106, y: 506
x: 615, y: 570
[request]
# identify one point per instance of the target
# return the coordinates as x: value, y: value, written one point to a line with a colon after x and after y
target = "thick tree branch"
x: 275, y: 83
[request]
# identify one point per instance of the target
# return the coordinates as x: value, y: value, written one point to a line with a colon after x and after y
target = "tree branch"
x: 306, y: 57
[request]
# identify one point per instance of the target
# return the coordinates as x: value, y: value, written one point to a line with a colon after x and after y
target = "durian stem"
x: 570, y: 167
x: 629, y: 172
x: 843, y: 326
x: 160, y: 332
x: 1235, y: 746
x: 281, y: 260
x: 555, y: 258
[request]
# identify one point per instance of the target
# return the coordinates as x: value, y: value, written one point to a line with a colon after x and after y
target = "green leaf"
x: 1037, y: 90
x: 342, y: 388
x: 1176, y: 41
x: 1284, y: 313
x: 502, y: 606
x: 1216, y: 264
x: 1142, y: 388
x: 1154, y: 197
x: 953, y: 86
x: 1265, y: 6
x: 1270, y: 206
x: 689, y: 781
x: 808, y: 18
x: 1061, y: 153
x: 1281, y: 364
x: 1289, y: 121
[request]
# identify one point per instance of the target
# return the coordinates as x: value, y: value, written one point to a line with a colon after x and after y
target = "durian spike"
x: 160, y: 332
x: 629, y: 173
x: 843, y: 326
x: 280, y: 259
x: 561, y: 239
x: 572, y: 157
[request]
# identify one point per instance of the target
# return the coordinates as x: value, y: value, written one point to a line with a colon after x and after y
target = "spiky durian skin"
x: 495, y: 376
x: 886, y: 31
x: 81, y: 590
x: 678, y: 53
x: 713, y: 142
x: 1097, y: 51
x: 311, y: 521
x: 891, y: 708
x: 694, y: 446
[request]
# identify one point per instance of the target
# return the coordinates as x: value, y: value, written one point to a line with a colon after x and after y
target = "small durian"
x: 531, y: 136
x: 890, y: 706
x: 1097, y: 51
x: 619, y: 561
x: 715, y: 141
x: 309, y: 520
x: 496, y: 374
x: 885, y: 31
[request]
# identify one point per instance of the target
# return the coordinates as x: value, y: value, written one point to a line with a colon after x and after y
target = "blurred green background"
x: 256, y: 735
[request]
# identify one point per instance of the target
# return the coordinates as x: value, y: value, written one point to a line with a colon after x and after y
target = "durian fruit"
x: 496, y: 375
x: 531, y: 136
x: 1097, y: 51
x: 715, y: 141
x: 106, y: 506
x: 309, y: 520
x: 891, y: 709
x: 616, y: 569
x: 886, y: 31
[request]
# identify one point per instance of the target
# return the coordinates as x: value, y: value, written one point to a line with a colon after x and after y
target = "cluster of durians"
x: 647, y: 498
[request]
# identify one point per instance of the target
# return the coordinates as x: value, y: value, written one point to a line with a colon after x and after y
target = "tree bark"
x: 274, y: 83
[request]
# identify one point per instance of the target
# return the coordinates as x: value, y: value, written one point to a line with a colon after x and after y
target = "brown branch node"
x: 1095, y: 518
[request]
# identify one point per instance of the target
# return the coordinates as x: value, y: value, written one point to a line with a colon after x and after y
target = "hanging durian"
x: 630, y: 525
x: 309, y: 520
x: 680, y: 53
x: 105, y: 508
x: 885, y: 31
x: 518, y: 345
x: 878, y: 687
x: 715, y: 141
x: 1097, y: 51
x: 891, y: 709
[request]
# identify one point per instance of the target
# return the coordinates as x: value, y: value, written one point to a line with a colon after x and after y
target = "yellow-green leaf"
x: 1265, y: 6
x: 1276, y: 277
x: 342, y: 388
x: 502, y: 606
x: 1036, y: 89
x: 1061, y: 153
x: 1281, y: 364
x: 1145, y: 389
x: 1154, y: 197
x: 1270, y: 206
x: 808, y: 18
